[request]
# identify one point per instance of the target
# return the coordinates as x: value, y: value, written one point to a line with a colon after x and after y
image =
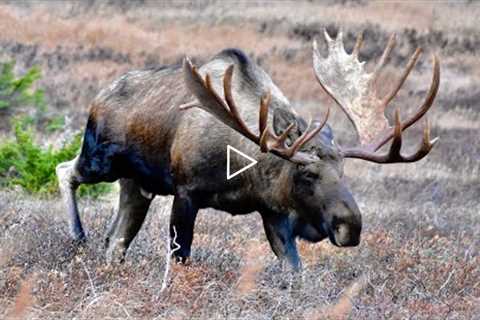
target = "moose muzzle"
x: 346, y: 223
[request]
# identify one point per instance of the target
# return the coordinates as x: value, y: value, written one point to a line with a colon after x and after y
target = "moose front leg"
x: 182, y: 222
x: 279, y: 231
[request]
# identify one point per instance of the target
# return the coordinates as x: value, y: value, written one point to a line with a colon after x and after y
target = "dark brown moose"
x: 147, y: 130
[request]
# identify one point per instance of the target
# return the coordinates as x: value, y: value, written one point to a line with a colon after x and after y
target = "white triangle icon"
x: 251, y: 164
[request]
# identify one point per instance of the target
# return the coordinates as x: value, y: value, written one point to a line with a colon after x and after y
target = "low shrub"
x: 18, y: 91
x: 18, y: 95
x: 27, y: 164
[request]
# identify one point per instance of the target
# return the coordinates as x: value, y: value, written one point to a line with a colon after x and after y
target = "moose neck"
x: 272, y: 182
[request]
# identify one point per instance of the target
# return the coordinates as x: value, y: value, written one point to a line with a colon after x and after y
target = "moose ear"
x: 283, y: 118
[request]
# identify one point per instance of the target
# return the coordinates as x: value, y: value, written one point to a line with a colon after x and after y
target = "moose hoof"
x: 182, y: 256
x: 78, y: 239
x: 116, y: 252
x: 182, y: 260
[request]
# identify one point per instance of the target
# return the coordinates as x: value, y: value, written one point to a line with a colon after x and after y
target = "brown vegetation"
x: 419, y: 254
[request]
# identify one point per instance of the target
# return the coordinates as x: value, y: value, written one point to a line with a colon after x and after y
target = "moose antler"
x: 227, y: 112
x: 343, y: 77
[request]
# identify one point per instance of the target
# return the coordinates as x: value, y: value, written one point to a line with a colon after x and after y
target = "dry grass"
x: 419, y: 254
x: 253, y: 265
x: 22, y: 302
x: 171, y: 40
x: 342, y: 308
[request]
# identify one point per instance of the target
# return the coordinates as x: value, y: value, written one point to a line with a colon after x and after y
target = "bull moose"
x: 147, y: 131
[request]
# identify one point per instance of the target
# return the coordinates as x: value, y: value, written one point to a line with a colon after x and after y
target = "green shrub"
x: 55, y: 123
x: 27, y: 164
x: 15, y: 91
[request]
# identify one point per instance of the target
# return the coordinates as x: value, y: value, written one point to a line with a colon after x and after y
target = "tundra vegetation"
x: 418, y: 257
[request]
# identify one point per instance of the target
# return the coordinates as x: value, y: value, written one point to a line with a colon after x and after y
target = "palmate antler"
x: 343, y: 77
x: 227, y: 112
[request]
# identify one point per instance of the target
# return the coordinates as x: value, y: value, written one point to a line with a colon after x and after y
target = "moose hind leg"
x: 132, y: 210
x: 68, y: 181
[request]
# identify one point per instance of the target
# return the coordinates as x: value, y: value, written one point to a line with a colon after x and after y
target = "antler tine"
x: 358, y: 45
x: 425, y: 147
x: 411, y: 64
x: 339, y: 39
x: 227, y: 88
x: 263, y: 115
x: 307, y: 135
x: 327, y: 36
x: 396, y: 145
x: 318, y: 59
x: 383, y: 59
x: 426, y: 105
x: 432, y: 92
x: 262, y: 123
x: 284, y: 135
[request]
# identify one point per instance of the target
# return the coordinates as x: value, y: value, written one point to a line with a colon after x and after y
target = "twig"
x: 170, y: 252
x: 446, y: 281
x: 100, y: 297
x: 94, y: 291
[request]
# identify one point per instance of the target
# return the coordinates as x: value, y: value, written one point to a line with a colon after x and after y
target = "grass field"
x: 419, y: 255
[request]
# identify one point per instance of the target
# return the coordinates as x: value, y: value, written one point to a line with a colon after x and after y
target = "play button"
x: 251, y: 163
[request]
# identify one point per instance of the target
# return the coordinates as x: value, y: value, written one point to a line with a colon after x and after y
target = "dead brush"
x: 343, y: 307
x: 253, y: 265
x: 23, y: 300
x: 414, y: 271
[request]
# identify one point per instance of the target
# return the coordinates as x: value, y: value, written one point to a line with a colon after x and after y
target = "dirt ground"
x: 419, y: 255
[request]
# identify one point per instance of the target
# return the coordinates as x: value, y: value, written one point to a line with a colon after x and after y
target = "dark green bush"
x: 15, y: 91
x: 25, y: 163
x: 17, y: 95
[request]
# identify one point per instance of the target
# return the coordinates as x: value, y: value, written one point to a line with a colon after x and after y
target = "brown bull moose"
x: 147, y: 131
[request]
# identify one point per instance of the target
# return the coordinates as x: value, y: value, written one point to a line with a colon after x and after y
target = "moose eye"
x: 330, y: 157
x: 311, y: 175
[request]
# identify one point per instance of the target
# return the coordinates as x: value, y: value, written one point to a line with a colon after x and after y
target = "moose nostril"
x: 338, y: 228
x: 346, y: 235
